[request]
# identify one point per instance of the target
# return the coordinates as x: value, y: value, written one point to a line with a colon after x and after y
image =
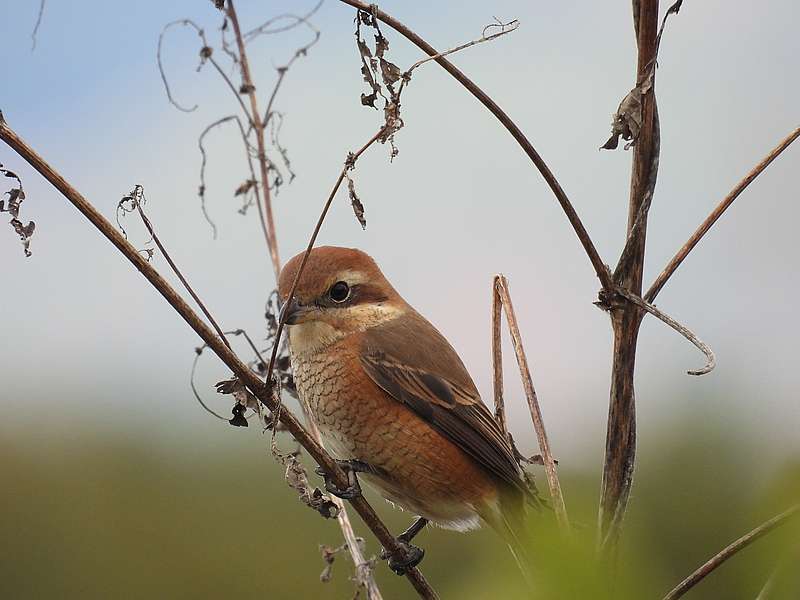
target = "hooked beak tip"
x: 294, y: 312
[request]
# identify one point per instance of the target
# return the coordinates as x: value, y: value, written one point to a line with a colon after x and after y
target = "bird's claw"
x: 350, y: 467
x: 407, y: 557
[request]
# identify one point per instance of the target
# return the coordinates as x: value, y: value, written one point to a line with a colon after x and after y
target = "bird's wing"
x: 413, y: 363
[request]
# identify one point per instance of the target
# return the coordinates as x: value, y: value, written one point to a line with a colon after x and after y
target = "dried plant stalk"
x: 620, y: 450
x: 258, y: 126
x: 501, y: 289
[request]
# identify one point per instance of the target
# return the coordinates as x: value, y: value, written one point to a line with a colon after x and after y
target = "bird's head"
x: 340, y: 291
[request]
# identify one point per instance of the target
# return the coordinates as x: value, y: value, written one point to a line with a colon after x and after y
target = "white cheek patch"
x: 310, y: 336
x: 369, y: 315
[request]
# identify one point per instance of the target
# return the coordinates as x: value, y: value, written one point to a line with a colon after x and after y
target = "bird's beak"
x: 295, y: 312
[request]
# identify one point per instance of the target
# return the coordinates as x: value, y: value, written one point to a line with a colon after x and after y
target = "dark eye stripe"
x: 368, y: 294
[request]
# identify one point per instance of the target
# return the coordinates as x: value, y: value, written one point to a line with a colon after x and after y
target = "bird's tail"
x: 509, y: 524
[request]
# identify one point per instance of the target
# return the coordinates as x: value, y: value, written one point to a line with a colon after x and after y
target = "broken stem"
x: 501, y: 285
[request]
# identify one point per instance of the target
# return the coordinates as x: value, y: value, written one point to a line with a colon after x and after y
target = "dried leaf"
x: 366, y: 53
x: 381, y: 45
x: 244, y: 187
x: 627, y: 122
x: 15, y: 197
x: 369, y: 100
x: 329, y: 555
x: 390, y: 72
x: 355, y: 201
x: 297, y: 478
x: 239, y: 391
x: 24, y: 232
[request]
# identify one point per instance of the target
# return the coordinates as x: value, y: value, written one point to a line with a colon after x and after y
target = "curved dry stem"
x: 711, y: 360
x: 740, y: 544
x: 138, y: 199
x: 38, y: 24
x: 295, y: 21
x: 195, y: 391
x: 199, y: 351
x: 300, y: 52
x: 184, y: 22
x: 601, y: 270
x: 504, y: 29
x: 204, y: 161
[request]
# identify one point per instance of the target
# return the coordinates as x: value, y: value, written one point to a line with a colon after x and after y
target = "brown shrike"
x: 394, y: 402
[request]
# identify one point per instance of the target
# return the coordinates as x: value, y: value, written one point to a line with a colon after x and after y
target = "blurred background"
x: 115, y: 483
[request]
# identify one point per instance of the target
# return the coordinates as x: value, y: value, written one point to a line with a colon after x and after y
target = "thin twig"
x: 248, y: 156
x: 715, y: 215
x: 296, y: 21
x: 206, y: 55
x: 249, y: 88
x: 161, y: 66
x: 265, y: 393
x: 599, y: 266
x: 174, y: 267
x: 364, y: 575
x: 504, y: 29
x: 195, y: 391
x: 501, y: 285
x: 199, y: 352
x: 282, y: 70
x: 348, y: 164
x: 719, y: 558
x: 711, y: 360
x: 38, y: 24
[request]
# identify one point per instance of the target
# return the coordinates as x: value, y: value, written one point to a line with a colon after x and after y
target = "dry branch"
x: 735, y: 546
x: 265, y: 393
x: 136, y: 201
x: 501, y: 288
x: 620, y: 450
x: 712, y: 218
x: 600, y: 268
x: 258, y: 125
x: 711, y: 361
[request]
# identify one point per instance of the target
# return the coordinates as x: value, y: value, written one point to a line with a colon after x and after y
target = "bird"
x: 395, y: 404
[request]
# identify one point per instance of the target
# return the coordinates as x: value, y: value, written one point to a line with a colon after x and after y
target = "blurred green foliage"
x: 121, y: 515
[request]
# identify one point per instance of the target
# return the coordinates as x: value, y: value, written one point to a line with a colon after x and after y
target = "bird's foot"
x: 350, y: 467
x: 405, y: 558
x: 409, y: 556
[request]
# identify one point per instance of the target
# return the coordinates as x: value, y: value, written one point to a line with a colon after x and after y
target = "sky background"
x: 89, y: 346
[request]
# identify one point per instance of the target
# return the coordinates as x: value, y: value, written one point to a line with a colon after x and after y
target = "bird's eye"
x: 340, y: 291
